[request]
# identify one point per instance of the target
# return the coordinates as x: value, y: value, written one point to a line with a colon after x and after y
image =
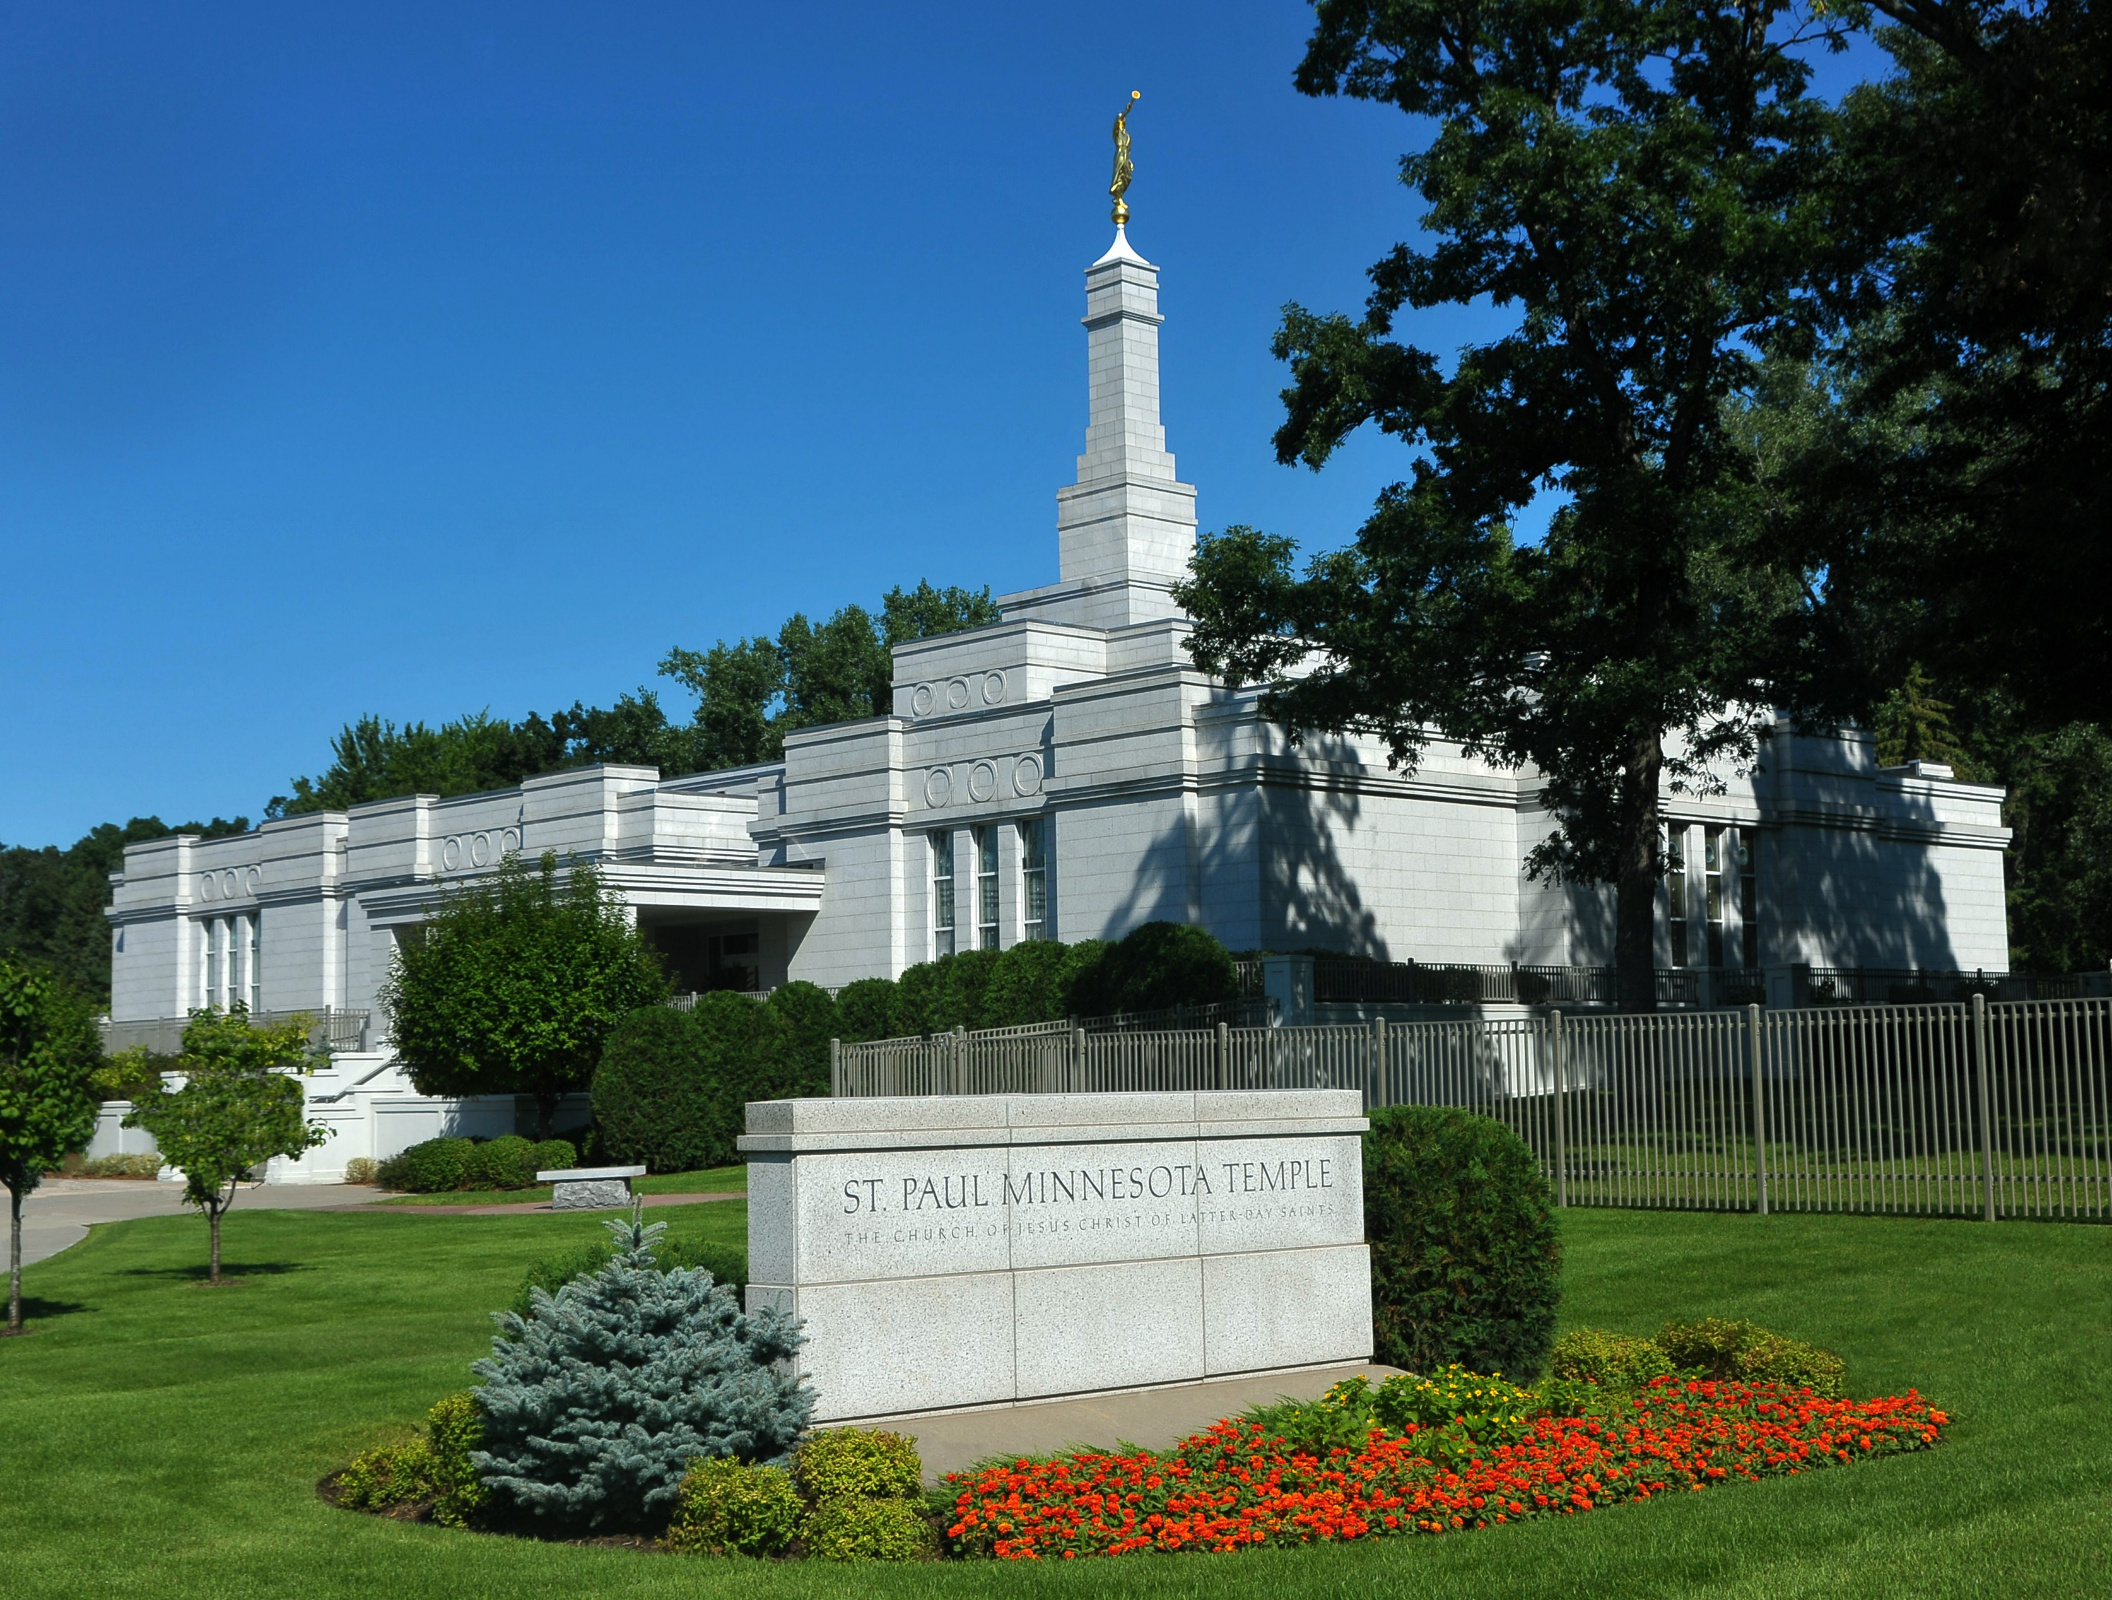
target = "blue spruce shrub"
x: 598, y: 1400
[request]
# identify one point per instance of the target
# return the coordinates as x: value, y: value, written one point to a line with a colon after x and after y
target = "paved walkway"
x: 1155, y: 1418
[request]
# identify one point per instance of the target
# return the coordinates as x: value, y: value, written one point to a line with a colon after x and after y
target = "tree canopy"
x: 49, y: 1054
x: 1634, y: 179
x: 514, y: 982
x: 241, y: 1103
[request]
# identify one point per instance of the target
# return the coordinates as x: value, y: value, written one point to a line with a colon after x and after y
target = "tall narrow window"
x: 986, y: 888
x: 1034, y: 877
x: 1749, y: 894
x: 1713, y: 902
x: 1676, y: 891
x: 209, y: 965
x: 256, y: 962
x: 942, y: 894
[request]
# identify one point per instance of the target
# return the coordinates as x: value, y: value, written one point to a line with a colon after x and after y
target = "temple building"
x: 1065, y: 773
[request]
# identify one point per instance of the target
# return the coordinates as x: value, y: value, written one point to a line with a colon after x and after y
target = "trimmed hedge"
x: 1158, y: 966
x: 503, y: 1163
x: 672, y: 1085
x: 810, y: 1020
x: 1465, y: 1261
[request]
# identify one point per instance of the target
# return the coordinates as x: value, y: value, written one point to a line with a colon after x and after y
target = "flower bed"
x: 1238, y: 1483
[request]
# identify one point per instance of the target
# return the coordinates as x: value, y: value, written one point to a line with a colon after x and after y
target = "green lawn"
x: 706, y: 1180
x: 161, y: 1438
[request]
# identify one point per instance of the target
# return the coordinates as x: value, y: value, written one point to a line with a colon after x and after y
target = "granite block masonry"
x: 589, y: 1188
x: 975, y: 1250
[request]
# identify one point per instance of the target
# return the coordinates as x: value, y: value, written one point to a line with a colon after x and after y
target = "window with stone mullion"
x: 986, y: 888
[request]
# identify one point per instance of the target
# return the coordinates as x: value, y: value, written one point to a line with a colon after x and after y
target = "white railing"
x: 1983, y: 1109
x: 339, y: 1028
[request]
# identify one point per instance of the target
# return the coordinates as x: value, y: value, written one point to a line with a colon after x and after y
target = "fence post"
x: 1987, y: 1120
x: 1224, y: 1055
x: 1077, y: 1057
x: 1752, y: 1046
x: 835, y: 1069
x: 1376, y: 1076
x: 960, y: 1058
x: 1554, y: 1040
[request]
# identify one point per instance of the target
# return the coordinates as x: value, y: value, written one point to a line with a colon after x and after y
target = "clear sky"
x: 424, y: 358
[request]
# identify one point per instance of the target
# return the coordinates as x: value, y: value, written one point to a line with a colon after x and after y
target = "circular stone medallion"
x: 982, y: 781
x: 993, y: 688
x: 957, y: 694
x: 921, y: 700
x: 1026, y: 775
x: 938, y: 787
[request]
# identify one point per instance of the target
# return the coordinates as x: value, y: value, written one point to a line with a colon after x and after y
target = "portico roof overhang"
x: 648, y: 886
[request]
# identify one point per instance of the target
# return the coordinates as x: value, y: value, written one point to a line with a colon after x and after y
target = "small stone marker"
x: 589, y: 1188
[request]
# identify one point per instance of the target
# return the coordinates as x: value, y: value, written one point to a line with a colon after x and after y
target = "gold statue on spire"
x: 1125, y: 169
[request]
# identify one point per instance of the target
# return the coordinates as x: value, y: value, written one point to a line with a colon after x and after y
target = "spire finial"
x: 1124, y: 168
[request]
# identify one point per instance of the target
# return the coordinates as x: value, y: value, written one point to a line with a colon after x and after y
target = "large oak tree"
x: 1632, y: 179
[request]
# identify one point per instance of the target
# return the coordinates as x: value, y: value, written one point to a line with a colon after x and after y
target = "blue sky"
x: 423, y: 358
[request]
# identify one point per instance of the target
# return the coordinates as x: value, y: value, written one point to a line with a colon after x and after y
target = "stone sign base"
x: 951, y: 1252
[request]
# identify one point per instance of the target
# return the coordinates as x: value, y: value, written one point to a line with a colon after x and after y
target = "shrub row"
x: 1156, y: 966
x: 439, y: 1166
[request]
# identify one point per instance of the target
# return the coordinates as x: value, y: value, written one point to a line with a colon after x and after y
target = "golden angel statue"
x: 1125, y: 169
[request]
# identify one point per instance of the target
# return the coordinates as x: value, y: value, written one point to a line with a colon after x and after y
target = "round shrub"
x: 867, y: 1530
x: 1610, y: 1360
x: 1721, y: 1348
x: 866, y: 1010
x: 1154, y: 967
x: 857, y: 1462
x: 1026, y: 986
x: 919, y: 1001
x: 555, y: 1155
x: 673, y: 1085
x: 1465, y: 1264
x: 507, y: 1162
x: 809, y: 1019
x: 362, y: 1169
x: 433, y: 1167
x: 734, y: 1508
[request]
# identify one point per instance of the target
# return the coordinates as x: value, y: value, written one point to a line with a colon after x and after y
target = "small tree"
x: 517, y: 983
x: 241, y: 1104
x: 49, y: 1054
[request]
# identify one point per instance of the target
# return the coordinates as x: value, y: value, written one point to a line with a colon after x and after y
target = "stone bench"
x: 589, y: 1188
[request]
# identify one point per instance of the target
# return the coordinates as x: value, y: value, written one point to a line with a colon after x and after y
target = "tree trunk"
x: 14, y: 1260
x: 1635, y: 883
x: 214, y: 1223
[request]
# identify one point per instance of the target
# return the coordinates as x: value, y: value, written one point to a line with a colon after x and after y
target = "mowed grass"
x: 161, y: 1438
x: 706, y: 1180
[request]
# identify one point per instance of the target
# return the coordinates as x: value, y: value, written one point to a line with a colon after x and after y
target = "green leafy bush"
x: 597, y: 1402
x: 1465, y: 1262
x: 866, y: 1010
x: 507, y: 1162
x: 432, y: 1167
x: 1610, y: 1360
x: 734, y: 1508
x: 673, y: 1085
x: 362, y: 1169
x: 133, y: 1166
x: 1480, y: 1405
x: 434, y: 1475
x: 1720, y: 1348
x: 1029, y: 983
x: 727, y: 1264
x: 555, y: 1155
x: 867, y: 1530
x: 809, y: 1019
x: 1152, y: 967
x: 857, y: 1462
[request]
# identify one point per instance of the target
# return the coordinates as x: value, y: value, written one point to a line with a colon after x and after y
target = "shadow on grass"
x: 201, y: 1272
x: 36, y: 1309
